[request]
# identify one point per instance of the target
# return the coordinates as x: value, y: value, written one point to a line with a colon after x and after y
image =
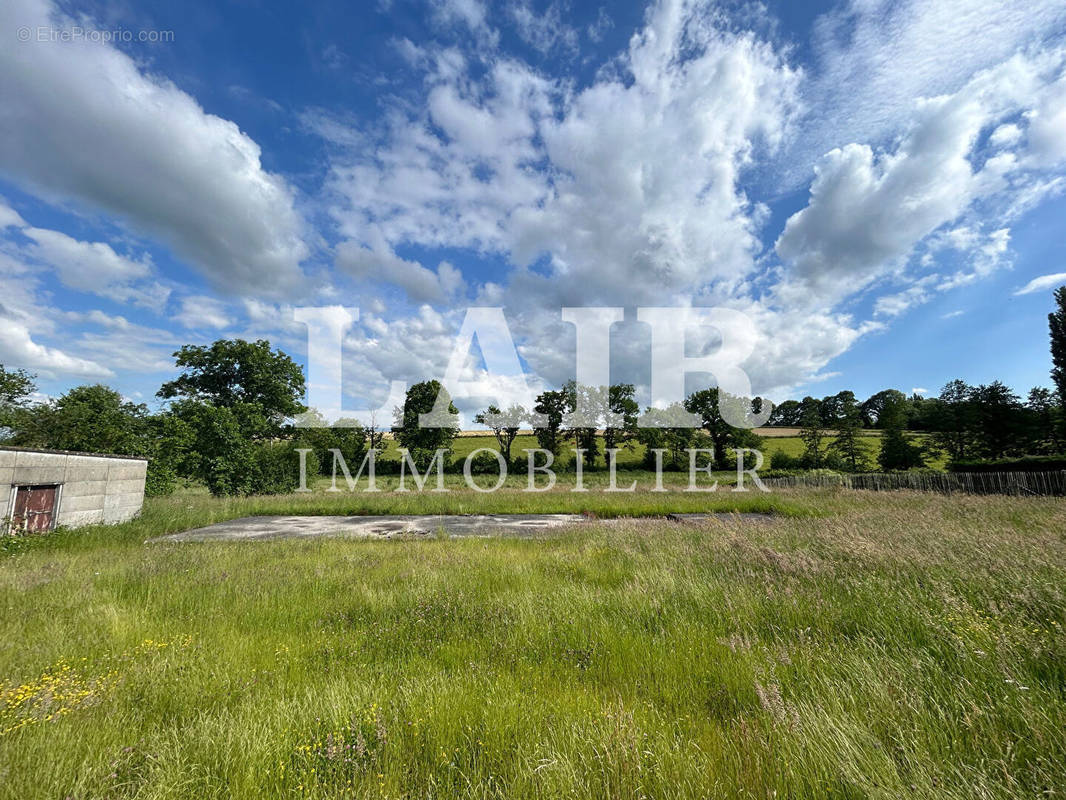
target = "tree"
x: 16, y: 386
x: 620, y: 401
x: 91, y: 419
x: 954, y: 420
x: 1057, y: 328
x: 999, y: 428
x: 346, y: 435
x: 706, y: 405
x: 375, y: 434
x: 661, y: 432
x: 786, y: 415
x: 812, y: 433
x: 592, y: 403
x: 1043, y: 423
x: 848, y: 443
x: 832, y: 407
x: 553, y: 405
x: 233, y: 372
x: 504, y: 424
x: 423, y: 443
x: 898, y: 450
x: 874, y: 407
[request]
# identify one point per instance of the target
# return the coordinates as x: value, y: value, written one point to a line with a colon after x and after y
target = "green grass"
x: 632, y: 455
x: 859, y: 645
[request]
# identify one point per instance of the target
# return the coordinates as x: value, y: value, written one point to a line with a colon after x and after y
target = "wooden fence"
x: 1016, y: 483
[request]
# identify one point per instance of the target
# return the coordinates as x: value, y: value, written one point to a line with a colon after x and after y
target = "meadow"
x: 852, y: 645
x: 633, y: 453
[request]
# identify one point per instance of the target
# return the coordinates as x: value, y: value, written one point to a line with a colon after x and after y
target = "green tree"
x: 234, y: 372
x: 954, y: 420
x: 423, y: 443
x: 346, y: 435
x: 504, y: 424
x: 1043, y: 421
x: 898, y: 449
x: 90, y: 419
x: 553, y: 406
x: 848, y: 444
x: 706, y: 404
x: 592, y: 402
x: 873, y: 408
x: 1057, y: 329
x: 786, y: 415
x: 16, y: 385
x: 660, y: 431
x: 813, y: 435
x: 621, y: 402
x: 1000, y: 426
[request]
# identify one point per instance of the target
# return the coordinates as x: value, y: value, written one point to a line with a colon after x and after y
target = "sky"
x: 877, y: 185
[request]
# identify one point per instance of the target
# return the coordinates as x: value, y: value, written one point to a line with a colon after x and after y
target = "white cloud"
x: 82, y: 121
x: 203, y: 313
x: 9, y: 217
x: 1042, y: 283
x: 868, y: 210
x: 87, y: 266
x: 18, y: 348
x: 1047, y: 127
x: 420, y: 284
x: 545, y: 30
x: 873, y: 57
x: 472, y: 14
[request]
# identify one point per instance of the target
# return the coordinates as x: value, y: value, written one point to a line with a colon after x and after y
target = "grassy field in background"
x: 633, y: 454
x: 856, y: 645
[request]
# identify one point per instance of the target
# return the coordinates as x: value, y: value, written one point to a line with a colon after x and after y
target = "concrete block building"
x: 42, y: 489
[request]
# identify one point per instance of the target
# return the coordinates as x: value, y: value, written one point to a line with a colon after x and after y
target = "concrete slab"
x: 369, y: 527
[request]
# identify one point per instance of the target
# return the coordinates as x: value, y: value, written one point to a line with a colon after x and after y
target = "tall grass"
x: 893, y: 645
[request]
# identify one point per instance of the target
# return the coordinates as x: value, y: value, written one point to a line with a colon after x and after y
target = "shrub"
x: 161, y: 479
x: 779, y: 459
x: 277, y: 468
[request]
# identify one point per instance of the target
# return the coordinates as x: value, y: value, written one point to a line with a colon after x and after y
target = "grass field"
x: 633, y: 454
x: 857, y: 645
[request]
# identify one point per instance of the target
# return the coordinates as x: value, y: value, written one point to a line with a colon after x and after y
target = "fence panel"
x: 1013, y: 483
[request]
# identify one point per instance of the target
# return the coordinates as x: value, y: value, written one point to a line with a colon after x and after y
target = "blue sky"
x: 878, y: 185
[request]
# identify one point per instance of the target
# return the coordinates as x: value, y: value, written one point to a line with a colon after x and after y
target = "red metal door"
x: 34, y: 508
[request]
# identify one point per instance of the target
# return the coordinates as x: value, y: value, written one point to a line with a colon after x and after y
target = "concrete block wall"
x: 93, y: 488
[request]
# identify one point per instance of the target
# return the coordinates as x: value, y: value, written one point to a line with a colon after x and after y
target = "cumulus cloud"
x: 81, y: 121
x: 868, y: 210
x: 87, y: 266
x: 18, y: 348
x: 200, y: 312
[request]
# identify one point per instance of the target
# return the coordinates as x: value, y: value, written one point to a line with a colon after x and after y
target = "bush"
x: 481, y: 464
x: 277, y: 468
x: 161, y: 479
x: 779, y: 459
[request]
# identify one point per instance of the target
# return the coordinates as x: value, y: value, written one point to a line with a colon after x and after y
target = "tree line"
x: 228, y: 418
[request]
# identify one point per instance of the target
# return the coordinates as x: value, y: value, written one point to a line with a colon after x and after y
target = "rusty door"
x: 35, y: 508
